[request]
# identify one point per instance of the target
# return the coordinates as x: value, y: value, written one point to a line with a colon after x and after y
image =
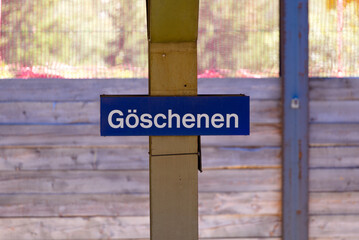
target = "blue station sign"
x: 171, y: 116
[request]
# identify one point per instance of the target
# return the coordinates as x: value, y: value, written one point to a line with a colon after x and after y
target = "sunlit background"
x: 107, y: 39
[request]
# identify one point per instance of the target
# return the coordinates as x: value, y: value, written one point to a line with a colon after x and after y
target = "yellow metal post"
x: 172, y: 34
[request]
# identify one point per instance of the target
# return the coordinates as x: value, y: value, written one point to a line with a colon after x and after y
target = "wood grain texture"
x: 334, y: 111
x: 321, y: 227
x: 334, y: 89
x: 334, y: 203
x: 240, y: 180
x: 72, y: 158
x: 74, y: 228
x: 33, y: 182
x: 116, y: 205
x: 239, y: 226
x: 132, y: 181
x: 136, y: 157
x: 334, y: 227
x: 74, y: 205
x: 240, y: 157
x: 253, y: 227
x: 89, y: 135
x: 334, y: 180
x: 335, y: 134
x: 332, y: 157
x: 245, y: 203
x: 89, y: 112
x: 15, y: 90
x: 268, y: 135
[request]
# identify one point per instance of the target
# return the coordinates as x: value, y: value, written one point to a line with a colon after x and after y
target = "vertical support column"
x: 294, y: 73
x: 172, y: 33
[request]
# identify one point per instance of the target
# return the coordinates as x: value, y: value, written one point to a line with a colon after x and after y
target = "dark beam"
x: 294, y: 74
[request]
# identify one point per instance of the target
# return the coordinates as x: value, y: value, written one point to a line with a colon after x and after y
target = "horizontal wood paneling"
x: 90, y: 89
x: 76, y: 158
x: 334, y: 226
x: 89, y: 112
x: 66, y: 205
x: 334, y: 203
x: 136, y: 157
x: 331, y: 157
x: 74, y: 228
x: 72, y: 205
x: 321, y: 227
x: 132, y: 181
x: 240, y: 157
x: 334, y: 89
x: 127, y: 158
x: 334, y: 180
x: 89, y: 136
x: 239, y: 226
x: 334, y: 111
x: 60, y: 180
x: 268, y: 135
x: 322, y: 180
x: 335, y: 134
x: 132, y: 227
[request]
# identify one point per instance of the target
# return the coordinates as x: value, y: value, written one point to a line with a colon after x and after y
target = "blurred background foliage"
x: 108, y: 39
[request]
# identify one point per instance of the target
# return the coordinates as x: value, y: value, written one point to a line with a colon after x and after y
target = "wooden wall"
x: 60, y: 180
x: 334, y: 159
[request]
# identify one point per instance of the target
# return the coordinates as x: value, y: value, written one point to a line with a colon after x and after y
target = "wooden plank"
x: 332, y: 157
x: 254, y: 180
x: 89, y: 135
x: 268, y: 135
x: 74, y: 228
x: 128, y: 158
x: 223, y: 226
x: 236, y: 157
x: 256, y: 88
x: 115, y: 205
x: 90, y: 89
x: 49, y: 112
x: 334, y: 203
x: 74, y: 182
x: 244, y: 203
x: 341, y: 227
x: 68, y: 158
x: 334, y: 134
x: 337, y: 89
x: 88, y: 112
x: 74, y: 205
x: 62, y: 135
x: 52, y: 182
x: 239, y: 226
x: 68, y: 89
x: 334, y: 180
x: 334, y: 111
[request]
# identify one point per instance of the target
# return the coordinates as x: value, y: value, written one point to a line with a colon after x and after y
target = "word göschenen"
x: 119, y: 119
x: 174, y: 116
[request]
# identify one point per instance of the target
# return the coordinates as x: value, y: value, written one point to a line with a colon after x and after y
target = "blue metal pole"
x: 294, y: 73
